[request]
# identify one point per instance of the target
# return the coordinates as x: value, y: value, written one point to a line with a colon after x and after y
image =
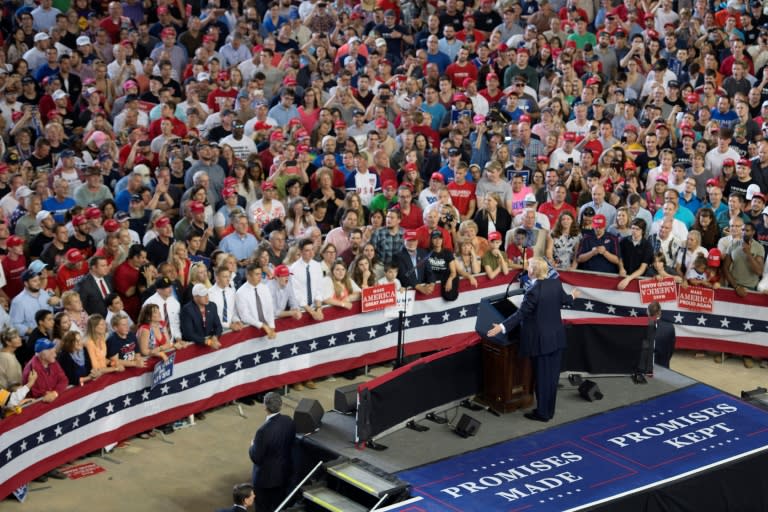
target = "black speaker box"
x: 345, y: 399
x: 467, y: 426
x: 590, y: 391
x: 308, y: 416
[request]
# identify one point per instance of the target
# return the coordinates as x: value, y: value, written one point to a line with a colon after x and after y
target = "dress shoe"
x: 533, y: 415
x: 310, y: 384
x: 748, y: 362
x: 57, y: 474
x: 297, y: 387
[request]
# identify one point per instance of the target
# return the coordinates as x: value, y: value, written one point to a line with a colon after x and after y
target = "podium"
x: 507, y: 377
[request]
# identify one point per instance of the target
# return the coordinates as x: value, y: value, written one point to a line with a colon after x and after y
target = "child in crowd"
x: 495, y: 261
x: 390, y: 276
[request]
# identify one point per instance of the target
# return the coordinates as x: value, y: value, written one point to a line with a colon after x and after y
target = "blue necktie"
x: 309, y: 287
x: 224, y: 298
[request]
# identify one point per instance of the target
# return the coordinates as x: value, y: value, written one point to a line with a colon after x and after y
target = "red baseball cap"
x: 411, y: 234
x: 267, y: 185
x: 162, y: 222
x: 729, y: 162
x: 196, y: 207
x: 228, y: 192
x: 282, y: 271
x: 437, y: 176
x: 92, y: 213
x: 494, y: 235
x: 381, y: 123
x: 460, y: 96
x: 569, y: 136
x: 390, y: 184
x: 712, y: 182
x: 598, y: 221
x: 276, y: 135
x: 714, y: 257
x: 744, y: 161
x: 74, y: 256
x: 410, y: 166
x: 14, y: 241
x: 79, y: 220
x: 111, y: 226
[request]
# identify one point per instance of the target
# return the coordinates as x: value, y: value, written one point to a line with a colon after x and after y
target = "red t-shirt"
x: 217, y: 93
x: 553, y: 213
x: 126, y: 277
x: 516, y: 256
x: 13, y: 270
x: 67, y: 277
x: 458, y: 73
x: 414, y: 218
x: 461, y: 195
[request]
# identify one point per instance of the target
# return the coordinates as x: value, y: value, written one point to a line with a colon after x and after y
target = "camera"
x: 448, y: 217
x: 307, y: 209
x: 385, y: 97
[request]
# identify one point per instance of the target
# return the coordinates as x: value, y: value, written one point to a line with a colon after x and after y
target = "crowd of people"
x: 174, y: 170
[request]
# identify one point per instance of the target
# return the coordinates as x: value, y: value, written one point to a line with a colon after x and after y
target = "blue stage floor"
x: 596, y: 459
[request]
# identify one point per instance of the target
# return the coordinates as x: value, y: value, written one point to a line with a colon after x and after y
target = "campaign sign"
x: 405, y: 300
x: 378, y: 297
x: 664, y: 290
x: 597, y: 458
x: 696, y: 298
x: 21, y: 493
x: 83, y: 470
x: 163, y: 370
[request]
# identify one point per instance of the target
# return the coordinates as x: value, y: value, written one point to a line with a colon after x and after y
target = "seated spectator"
x: 411, y: 265
x: 441, y: 266
x: 340, y: 290
x: 200, y: 321
x: 253, y: 302
x: 75, y: 360
x: 636, y: 254
x: 494, y: 261
x: 599, y: 252
x: 362, y: 273
x: 51, y: 379
x: 152, y: 338
x: 10, y: 368
x: 122, y: 345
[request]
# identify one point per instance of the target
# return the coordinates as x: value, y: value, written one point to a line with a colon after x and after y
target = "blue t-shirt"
x: 58, y: 208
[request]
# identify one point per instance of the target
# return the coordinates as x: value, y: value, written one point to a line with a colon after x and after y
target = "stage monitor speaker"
x: 308, y: 416
x: 467, y: 426
x: 345, y: 398
x: 590, y: 391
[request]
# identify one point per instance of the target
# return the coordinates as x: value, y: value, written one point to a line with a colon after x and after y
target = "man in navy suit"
x: 199, y: 319
x: 663, y: 335
x: 542, y: 335
x: 242, y: 495
x: 411, y: 268
x: 271, y: 454
x: 94, y: 287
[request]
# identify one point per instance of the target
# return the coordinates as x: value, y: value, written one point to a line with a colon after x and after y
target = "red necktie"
x: 104, y: 291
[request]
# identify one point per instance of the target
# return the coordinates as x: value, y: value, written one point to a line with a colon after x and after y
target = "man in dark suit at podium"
x: 663, y: 335
x: 271, y: 454
x: 542, y: 335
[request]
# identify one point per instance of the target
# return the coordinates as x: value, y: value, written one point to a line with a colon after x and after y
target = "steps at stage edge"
x: 331, y: 500
x: 365, y: 477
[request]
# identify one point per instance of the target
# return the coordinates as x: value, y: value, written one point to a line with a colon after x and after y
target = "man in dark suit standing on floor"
x: 95, y: 287
x: 271, y: 454
x: 542, y: 335
x: 199, y: 319
x: 662, y: 332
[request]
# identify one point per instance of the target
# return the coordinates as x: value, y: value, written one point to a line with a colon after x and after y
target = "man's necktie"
x: 259, y: 309
x: 165, y: 312
x: 226, y: 309
x: 309, y: 287
x: 104, y: 291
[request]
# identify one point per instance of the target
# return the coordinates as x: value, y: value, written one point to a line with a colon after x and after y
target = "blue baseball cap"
x: 43, y: 344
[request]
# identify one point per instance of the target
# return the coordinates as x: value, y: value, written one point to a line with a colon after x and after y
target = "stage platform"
x: 593, y: 455
x: 408, y: 449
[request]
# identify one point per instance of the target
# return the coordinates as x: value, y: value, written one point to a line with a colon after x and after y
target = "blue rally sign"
x: 163, y: 370
x: 578, y: 464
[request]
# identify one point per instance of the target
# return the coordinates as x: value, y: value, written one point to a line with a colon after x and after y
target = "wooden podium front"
x: 507, y: 378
